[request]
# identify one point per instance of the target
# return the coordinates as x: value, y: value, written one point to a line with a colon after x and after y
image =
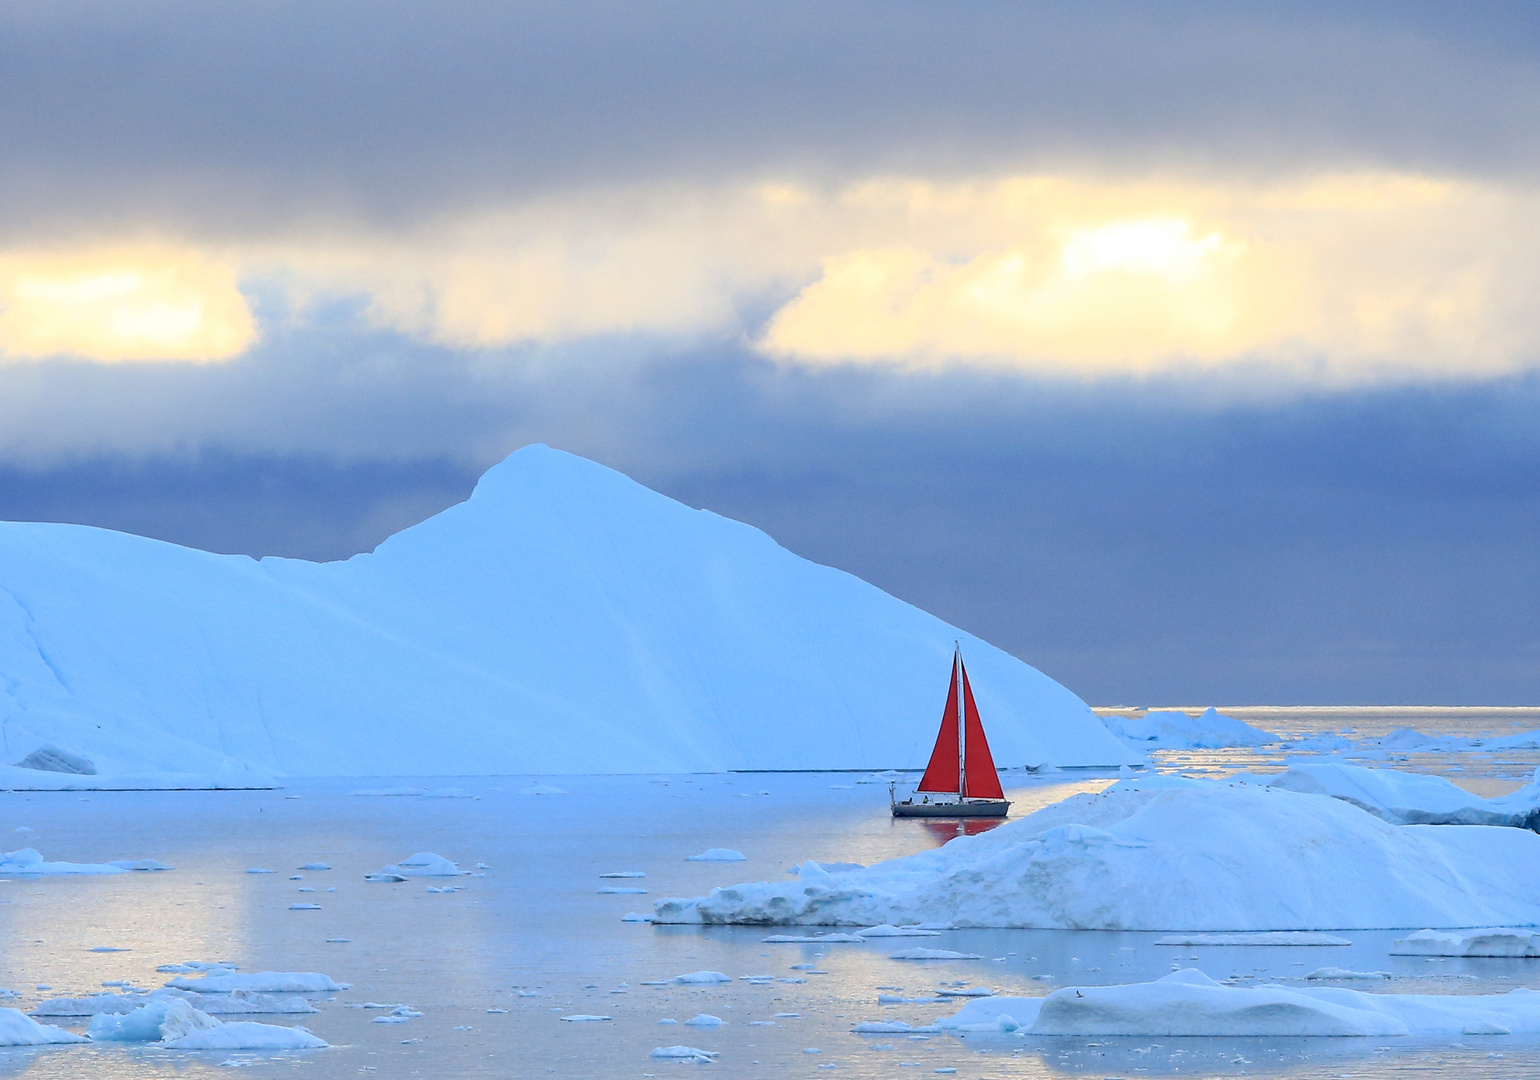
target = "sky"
x: 1186, y: 351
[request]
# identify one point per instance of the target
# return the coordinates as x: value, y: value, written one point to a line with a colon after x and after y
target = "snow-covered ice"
x: 19, y: 1029
x: 701, y: 978
x: 684, y: 1053
x: 247, y: 1035
x: 1483, y: 942
x: 161, y: 1020
x: 717, y: 854
x: 704, y: 1020
x: 1189, y: 1003
x: 933, y: 954
x: 422, y: 864
x: 31, y: 861
x: 1405, y: 798
x: 1166, y: 853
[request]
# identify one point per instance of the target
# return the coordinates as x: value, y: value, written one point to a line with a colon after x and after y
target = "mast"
x: 962, y: 727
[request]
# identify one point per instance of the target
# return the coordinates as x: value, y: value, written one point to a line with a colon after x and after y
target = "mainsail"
x: 961, y: 763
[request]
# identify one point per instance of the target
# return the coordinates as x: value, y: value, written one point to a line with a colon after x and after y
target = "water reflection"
x: 941, y: 831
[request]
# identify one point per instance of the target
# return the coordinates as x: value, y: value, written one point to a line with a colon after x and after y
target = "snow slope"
x: 1166, y: 853
x: 563, y: 619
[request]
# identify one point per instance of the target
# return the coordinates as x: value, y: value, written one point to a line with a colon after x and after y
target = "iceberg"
x: 563, y: 620
x: 1189, y: 1003
x: 1171, y: 854
x: 19, y: 1029
x: 1412, y: 798
x: 1488, y: 942
x: 1172, y: 730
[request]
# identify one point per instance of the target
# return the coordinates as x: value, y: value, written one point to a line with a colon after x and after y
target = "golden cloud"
x: 122, y: 304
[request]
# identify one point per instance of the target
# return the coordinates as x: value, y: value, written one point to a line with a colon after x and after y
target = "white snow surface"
x: 1405, y: 798
x: 1190, y: 1003
x: 1171, y: 854
x: 1494, y: 941
x: 1172, y: 730
x: 564, y: 619
x: 19, y: 1029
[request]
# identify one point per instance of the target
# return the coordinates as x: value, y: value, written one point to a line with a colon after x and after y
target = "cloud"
x: 120, y: 304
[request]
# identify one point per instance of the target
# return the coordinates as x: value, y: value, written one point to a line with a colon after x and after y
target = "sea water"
x: 493, y: 967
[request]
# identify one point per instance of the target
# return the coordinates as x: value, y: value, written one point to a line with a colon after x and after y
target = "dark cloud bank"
x: 1136, y: 541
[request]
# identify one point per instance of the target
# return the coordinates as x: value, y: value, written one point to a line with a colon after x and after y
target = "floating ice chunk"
x: 108, y: 948
x: 19, y: 1029
x: 816, y: 939
x: 90, y: 1006
x: 933, y: 954
x: 1267, y: 937
x: 882, y: 1027
x: 1337, y: 974
x: 261, y: 982
x: 423, y: 864
x: 898, y: 999
x: 704, y: 1020
x: 155, y: 1021
x: 542, y: 789
x: 445, y: 888
x: 315, y: 866
x: 624, y: 874
x: 1403, y: 798
x: 889, y: 930
x: 140, y: 864
x: 717, y: 854
x: 968, y: 992
x: 1486, y: 942
x: 304, y: 907
x: 684, y: 1053
x: 621, y: 890
x: 247, y: 1035
x: 701, y: 978
x: 668, y: 1021
x: 581, y: 1018
x: 260, y: 870
x: 30, y: 861
x: 633, y: 916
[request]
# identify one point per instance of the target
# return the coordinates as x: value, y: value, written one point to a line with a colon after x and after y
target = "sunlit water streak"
x: 536, y: 923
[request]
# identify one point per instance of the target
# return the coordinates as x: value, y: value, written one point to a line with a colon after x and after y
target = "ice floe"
x: 247, y: 1035
x: 261, y: 982
x: 422, y: 864
x: 1336, y: 974
x: 155, y: 1021
x: 684, y: 1053
x: 1172, y: 730
x: 542, y: 789
x: 1171, y: 854
x: 933, y: 954
x: 1486, y: 942
x: 1404, y: 798
x: 31, y: 861
x: 888, y: 930
x: 1266, y: 937
x: 704, y: 1020
x: 19, y: 1029
x: 583, y: 1018
x: 1189, y: 1003
x: 701, y: 978
x: 813, y: 939
x: 717, y: 854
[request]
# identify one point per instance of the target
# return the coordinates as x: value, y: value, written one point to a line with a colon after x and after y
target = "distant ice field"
x: 534, y: 936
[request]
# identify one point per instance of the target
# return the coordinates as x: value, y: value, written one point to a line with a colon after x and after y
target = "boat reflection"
x: 943, y: 830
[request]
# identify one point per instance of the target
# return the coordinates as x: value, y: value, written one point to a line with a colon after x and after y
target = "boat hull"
x: 970, y: 809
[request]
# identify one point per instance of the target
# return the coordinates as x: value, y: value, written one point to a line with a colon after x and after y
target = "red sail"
x: 941, y: 774
x: 979, y: 768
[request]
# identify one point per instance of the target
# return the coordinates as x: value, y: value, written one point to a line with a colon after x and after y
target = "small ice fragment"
x: 684, y: 1053
x: 633, y: 916
x: 704, y: 1020
x: 338, y: 940
x: 812, y: 1050
x: 792, y: 1016
x: 259, y: 870
x: 582, y: 1018
x: 305, y: 888
x: 483, y: 866
x: 668, y: 1021
x: 304, y: 907
x: 494, y: 1009
x: 316, y: 866
x: 717, y: 854
x: 933, y: 954
x: 701, y: 978
x: 108, y: 948
x: 761, y: 1023
x: 542, y: 789
x: 621, y: 890
x: 296, y: 877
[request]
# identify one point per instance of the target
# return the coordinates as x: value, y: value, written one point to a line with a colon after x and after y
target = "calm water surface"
x: 535, y: 938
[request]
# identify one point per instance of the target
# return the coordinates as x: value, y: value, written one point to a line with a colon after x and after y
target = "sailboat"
x: 961, y: 775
